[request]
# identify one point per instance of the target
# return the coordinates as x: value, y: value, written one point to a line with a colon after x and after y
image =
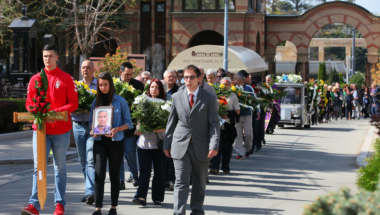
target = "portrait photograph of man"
x: 102, y: 118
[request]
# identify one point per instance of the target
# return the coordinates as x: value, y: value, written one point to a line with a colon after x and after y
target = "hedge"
x: 7, y: 107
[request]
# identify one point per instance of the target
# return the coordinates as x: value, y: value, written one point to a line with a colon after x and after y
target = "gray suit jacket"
x: 201, y: 123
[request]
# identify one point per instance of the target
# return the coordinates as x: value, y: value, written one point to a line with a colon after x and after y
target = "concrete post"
x: 303, y: 59
x: 270, y: 58
x: 321, y: 51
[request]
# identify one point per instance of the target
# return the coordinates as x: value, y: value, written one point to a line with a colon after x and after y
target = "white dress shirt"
x: 195, y: 93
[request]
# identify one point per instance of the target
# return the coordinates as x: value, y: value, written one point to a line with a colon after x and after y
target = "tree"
x: 9, y: 10
x: 90, y: 22
x: 357, y: 79
x: 334, y: 76
x: 299, y: 6
x: 273, y: 6
x: 375, y: 74
x: 322, y: 71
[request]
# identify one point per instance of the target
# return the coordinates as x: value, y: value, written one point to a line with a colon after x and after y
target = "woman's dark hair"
x: 366, y: 88
x: 162, y: 94
x: 99, y: 95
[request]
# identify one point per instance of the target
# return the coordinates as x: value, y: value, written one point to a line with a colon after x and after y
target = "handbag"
x: 160, y: 143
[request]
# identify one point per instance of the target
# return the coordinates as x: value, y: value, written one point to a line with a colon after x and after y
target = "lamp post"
x: 353, y: 50
x: 225, y: 62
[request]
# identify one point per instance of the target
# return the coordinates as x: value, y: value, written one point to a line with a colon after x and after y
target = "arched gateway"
x: 301, y: 29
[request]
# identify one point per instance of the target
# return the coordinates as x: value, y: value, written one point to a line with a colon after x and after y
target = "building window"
x: 260, y: 6
x: 208, y: 4
x: 251, y: 5
x: 204, y: 5
x: 191, y: 4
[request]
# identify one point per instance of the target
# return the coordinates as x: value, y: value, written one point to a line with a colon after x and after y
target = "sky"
x: 372, y: 5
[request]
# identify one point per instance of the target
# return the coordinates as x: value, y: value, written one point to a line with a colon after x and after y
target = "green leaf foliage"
x: 357, y: 79
x: 45, y: 83
x: 368, y: 176
x: 322, y: 74
x: 150, y: 116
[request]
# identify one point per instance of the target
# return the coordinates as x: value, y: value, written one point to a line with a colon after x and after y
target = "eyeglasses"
x: 190, y: 77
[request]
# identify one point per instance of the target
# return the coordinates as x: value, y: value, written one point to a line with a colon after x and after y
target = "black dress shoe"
x: 112, y: 212
x: 214, y: 171
x: 226, y: 171
x: 129, y: 180
x: 139, y: 201
x: 171, y: 186
x: 84, y: 199
x: 90, y: 199
x: 122, y: 185
x: 156, y: 202
x: 97, y: 212
x: 135, y: 182
x: 251, y: 151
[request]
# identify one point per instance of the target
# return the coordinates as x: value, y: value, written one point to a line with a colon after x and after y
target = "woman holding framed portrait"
x: 149, y: 150
x: 109, y: 116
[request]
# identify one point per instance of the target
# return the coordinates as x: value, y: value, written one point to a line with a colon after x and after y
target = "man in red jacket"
x: 62, y: 95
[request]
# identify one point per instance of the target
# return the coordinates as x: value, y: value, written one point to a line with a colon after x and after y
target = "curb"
x: 69, y: 156
x: 16, y: 135
x: 366, y: 147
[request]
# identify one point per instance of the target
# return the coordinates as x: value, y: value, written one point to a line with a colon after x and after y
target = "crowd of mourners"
x: 350, y: 102
x: 174, y: 168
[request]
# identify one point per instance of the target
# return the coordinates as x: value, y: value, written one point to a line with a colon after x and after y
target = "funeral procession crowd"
x: 180, y: 128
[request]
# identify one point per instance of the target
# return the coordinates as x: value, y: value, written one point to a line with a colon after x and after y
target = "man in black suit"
x: 130, y: 139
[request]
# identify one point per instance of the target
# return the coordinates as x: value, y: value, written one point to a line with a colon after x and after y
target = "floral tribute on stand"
x: 41, y: 107
x: 291, y: 78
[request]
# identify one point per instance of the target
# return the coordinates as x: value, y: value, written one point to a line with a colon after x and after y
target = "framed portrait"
x: 102, y: 120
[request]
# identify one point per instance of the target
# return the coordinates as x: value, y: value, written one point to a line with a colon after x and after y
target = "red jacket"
x: 62, y: 95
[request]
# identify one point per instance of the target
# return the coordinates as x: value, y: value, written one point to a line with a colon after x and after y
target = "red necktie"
x: 191, y: 106
x: 191, y: 100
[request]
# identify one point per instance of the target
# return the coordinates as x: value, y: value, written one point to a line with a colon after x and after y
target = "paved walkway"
x: 292, y: 169
x: 20, y: 151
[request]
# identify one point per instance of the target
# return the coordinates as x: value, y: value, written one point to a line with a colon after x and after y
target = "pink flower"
x: 35, y: 90
x: 42, y: 92
x: 39, y: 99
x: 44, y: 110
x: 42, y: 104
x: 34, y: 110
x: 39, y: 85
x: 38, y: 78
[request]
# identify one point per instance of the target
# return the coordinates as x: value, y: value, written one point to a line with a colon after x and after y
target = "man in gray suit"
x: 192, y: 139
x: 202, y: 83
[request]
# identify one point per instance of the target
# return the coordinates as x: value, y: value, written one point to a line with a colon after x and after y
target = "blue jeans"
x: 130, y: 156
x: 59, y: 145
x: 85, y: 144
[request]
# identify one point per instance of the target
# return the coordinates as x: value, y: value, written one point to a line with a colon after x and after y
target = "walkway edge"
x: 16, y: 135
x: 69, y: 156
x: 366, y: 147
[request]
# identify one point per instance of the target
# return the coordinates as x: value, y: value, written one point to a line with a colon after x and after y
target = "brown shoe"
x: 214, y: 171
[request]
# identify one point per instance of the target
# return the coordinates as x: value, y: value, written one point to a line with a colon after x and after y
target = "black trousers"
x: 224, y: 153
x: 256, y: 140
x: 272, y: 125
x: 262, y: 126
x: 113, y: 151
x: 147, y: 157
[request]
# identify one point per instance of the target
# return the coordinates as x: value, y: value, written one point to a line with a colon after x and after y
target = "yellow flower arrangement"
x: 222, y: 86
x: 233, y: 88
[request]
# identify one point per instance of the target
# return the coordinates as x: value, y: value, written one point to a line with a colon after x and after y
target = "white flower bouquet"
x: 151, y: 114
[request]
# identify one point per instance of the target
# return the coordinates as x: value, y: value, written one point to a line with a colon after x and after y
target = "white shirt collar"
x: 195, y: 92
